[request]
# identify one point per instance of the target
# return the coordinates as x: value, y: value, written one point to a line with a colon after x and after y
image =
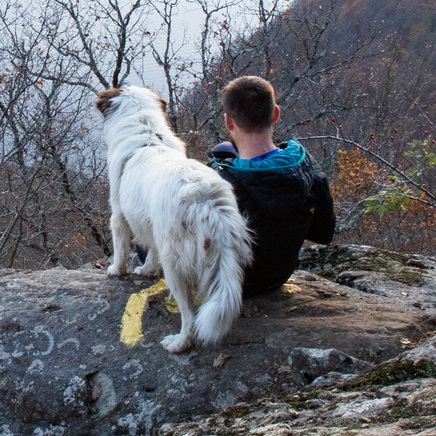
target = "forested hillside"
x: 354, y: 79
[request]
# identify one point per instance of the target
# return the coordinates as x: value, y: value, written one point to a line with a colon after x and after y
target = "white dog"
x: 181, y: 210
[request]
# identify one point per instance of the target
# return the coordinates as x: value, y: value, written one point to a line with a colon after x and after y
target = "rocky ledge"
x: 346, y: 347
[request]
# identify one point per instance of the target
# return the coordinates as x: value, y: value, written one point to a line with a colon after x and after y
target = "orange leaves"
x: 392, y: 207
x: 6, y: 77
x: 355, y: 175
x: 44, y: 55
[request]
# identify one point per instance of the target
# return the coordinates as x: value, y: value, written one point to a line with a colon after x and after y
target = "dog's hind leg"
x: 121, y: 235
x: 181, y: 292
x: 151, y: 267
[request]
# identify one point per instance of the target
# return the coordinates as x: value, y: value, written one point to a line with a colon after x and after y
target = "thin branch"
x: 381, y: 159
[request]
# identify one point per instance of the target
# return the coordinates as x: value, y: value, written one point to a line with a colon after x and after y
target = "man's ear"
x: 229, y: 121
x: 276, y: 114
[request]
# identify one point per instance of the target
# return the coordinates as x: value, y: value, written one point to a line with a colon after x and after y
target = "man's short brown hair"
x: 250, y: 101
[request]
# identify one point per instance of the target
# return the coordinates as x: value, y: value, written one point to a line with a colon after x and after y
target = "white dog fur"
x: 181, y: 210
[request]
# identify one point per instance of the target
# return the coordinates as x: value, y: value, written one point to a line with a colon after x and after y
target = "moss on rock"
x: 390, y: 373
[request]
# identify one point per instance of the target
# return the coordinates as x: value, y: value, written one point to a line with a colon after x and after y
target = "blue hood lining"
x: 289, y: 157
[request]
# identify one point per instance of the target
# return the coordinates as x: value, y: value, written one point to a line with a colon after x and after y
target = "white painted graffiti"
x: 132, y: 369
x: 70, y: 343
x: 104, y: 306
x: 36, y: 342
x: 36, y: 367
x: 39, y: 330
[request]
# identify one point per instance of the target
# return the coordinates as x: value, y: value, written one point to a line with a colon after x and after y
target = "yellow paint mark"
x: 171, y: 305
x: 131, y: 322
x: 290, y: 289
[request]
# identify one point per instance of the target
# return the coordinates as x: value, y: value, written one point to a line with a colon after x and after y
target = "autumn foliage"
x: 387, y: 212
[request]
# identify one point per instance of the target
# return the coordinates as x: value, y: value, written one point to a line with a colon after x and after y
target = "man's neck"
x: 251, y: 146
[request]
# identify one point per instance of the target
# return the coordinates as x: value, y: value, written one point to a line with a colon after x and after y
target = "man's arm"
x: 323, y: 224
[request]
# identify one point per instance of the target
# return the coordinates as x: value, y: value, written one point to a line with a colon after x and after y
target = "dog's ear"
x: 103, y: 101
x: 163, y: 104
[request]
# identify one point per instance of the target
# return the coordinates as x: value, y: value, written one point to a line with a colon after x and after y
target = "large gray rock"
x: 80, y: 355
x: 393, y: 398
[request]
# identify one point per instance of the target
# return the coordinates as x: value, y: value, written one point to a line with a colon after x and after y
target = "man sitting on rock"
x: 280, y: 189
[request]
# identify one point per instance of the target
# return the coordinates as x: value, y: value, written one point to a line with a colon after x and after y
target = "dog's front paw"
x: 176, y: 343
x: 141, y: 271
x: 115, y: 271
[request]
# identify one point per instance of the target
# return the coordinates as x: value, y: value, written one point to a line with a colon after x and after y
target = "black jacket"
x: 283, y: 209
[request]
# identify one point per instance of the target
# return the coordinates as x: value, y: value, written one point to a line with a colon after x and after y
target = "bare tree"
x: 103, y: 37
x: 56, y: 56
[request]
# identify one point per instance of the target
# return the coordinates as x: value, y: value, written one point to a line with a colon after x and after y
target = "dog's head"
x: 134, y: 116
x: 106, y: 98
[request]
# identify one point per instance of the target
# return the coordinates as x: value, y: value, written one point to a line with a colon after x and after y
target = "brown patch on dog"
x: 207, y: 243
x: 163, y: 104
x: 103, y: 101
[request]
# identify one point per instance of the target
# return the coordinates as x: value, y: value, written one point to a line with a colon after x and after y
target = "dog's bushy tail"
x: 226, y: 244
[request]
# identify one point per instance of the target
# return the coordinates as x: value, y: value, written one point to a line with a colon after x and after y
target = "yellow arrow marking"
x: 131, y: 322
